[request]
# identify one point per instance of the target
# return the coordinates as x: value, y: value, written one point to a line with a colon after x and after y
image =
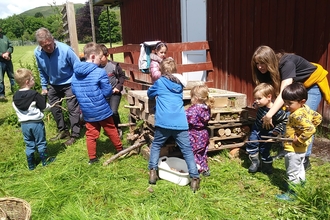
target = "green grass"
x: 71, y: 189
x: 24, y: 54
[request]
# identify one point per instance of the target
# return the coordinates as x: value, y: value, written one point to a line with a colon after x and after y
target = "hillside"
x: 48, y: 10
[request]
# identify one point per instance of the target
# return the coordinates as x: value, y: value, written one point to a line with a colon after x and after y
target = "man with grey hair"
x: 6, y: 65
x: 55, y: 62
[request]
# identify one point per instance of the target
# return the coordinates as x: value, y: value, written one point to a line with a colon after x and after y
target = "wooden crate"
x: 227, y: 115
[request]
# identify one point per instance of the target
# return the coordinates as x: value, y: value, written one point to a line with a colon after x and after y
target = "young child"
x: 91, y: 86
x: 198, y: 115
x: 301, y: 126
x: 29, y: 105
x: 170, y: 120
x: 116, y: 78
x: 156, y: 58
x: 263, y: 95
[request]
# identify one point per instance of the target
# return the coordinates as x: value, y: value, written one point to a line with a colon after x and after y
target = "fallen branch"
x: 55, y: 103
x: 271, y: 139
x: 278, y: 138
x: 123, y: 152
x: 126, y: 124
x: 259, y: 141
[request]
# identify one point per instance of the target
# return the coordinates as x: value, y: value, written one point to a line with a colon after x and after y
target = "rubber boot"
x: 289, y: 195
x: 255, y: 162
x: 307, y: 163
x: 45, y: 160
x: 267, y: 167
x: 31, y: 162
x: 194, y: 185
x: 153, y: 176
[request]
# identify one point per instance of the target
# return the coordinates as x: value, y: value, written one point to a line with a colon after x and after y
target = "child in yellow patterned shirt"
x: 301, y: 126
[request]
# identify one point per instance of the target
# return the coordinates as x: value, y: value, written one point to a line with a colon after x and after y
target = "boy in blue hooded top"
x: 170, y: 120
x: 91, y: 86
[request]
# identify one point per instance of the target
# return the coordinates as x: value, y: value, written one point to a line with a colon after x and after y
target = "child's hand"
x: 115, y: 90
x: 275, y: 133
x: 295, y: 139
x: 255, y: 105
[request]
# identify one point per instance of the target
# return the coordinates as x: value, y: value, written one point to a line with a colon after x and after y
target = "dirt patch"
x: 321, y: 149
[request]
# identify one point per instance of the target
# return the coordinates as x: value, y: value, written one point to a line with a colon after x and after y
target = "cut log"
x: 221, y: 132
x: 227, y: 132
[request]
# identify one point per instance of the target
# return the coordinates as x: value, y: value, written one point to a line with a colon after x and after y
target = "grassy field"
x: 71, y: 189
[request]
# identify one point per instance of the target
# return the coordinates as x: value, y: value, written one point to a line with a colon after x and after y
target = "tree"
x: 115, y: 32
x: 55, y: 22
x: 15, y: 24
x: 38, y: 15
x: 83, y: 22
x: 32, y: 24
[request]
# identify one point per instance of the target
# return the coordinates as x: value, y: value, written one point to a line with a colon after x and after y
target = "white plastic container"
x: 173, y: 169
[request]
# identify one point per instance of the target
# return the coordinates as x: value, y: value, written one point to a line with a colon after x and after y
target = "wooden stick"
x: 278, y: 138
x: 55, y: 103
x: 114, y: 157
x: 259, y: 141
x: 126, y: 124
x: 271, y: 139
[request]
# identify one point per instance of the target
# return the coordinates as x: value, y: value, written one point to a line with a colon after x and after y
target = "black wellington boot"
x: 267, y: 167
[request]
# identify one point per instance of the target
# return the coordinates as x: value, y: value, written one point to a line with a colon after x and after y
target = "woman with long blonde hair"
x: 281, y: 70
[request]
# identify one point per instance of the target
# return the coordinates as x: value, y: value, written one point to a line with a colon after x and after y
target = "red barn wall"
x: 148, y: 20
x: 235, y: 28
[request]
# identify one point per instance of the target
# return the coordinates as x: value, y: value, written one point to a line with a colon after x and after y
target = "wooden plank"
x: 194, y: 67
x: 136, y: 85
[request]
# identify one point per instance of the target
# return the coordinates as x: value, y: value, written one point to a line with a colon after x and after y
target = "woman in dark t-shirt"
x: 281, y: 70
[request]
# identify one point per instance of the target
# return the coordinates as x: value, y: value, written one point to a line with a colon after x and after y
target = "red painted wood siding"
x: 235, y: 28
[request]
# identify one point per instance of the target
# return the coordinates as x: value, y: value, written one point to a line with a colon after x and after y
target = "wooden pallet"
x: 228, y: 119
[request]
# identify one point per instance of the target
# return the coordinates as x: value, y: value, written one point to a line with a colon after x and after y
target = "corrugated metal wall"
x: 234, y: 29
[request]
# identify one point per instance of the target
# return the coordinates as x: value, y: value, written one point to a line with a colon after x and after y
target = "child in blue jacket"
x: 170, y: 120
x: 91, y: 86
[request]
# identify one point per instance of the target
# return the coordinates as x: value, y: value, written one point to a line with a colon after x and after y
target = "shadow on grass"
x: 277, y: 178
x: 2, y: 120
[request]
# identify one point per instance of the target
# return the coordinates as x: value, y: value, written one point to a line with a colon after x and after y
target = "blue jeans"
x: 182, y: 139
x: 313, y: 101
x: 34, y: 136
x: 262, y: 147
x: 6, y: 66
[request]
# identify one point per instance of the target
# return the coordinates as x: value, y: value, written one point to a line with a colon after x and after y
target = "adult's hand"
x: 44, y: 92
x: 6, y: 56
x: 267, y: 122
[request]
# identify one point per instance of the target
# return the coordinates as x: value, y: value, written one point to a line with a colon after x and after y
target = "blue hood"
x: 82, y: 69
x: 172, y: 86
x: 90, y: 85
x: 169, y: 111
